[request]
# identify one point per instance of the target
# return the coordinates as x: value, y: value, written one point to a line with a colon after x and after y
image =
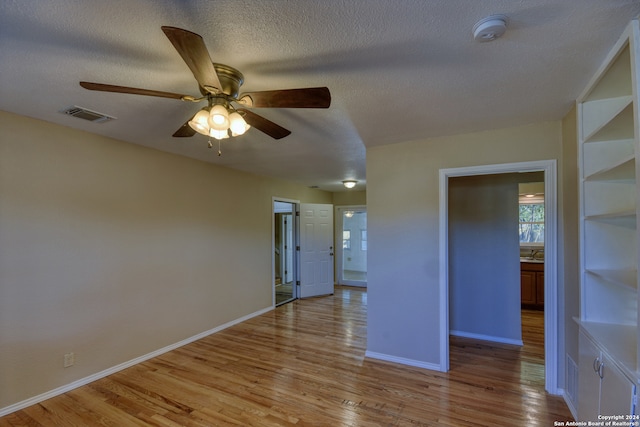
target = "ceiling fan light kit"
x: 219, y: 85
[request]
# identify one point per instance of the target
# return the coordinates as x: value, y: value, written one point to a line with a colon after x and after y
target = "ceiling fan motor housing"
x: 230, y: 79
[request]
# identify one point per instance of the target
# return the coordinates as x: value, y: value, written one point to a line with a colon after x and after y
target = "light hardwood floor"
x: 303, y: 365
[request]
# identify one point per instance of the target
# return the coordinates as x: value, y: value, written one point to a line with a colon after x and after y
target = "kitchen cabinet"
x: 532, y: 285
x: 603, y: 388
x: 608, y: 144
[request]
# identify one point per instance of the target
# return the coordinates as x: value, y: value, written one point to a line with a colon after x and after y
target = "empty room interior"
x: 293, y: 213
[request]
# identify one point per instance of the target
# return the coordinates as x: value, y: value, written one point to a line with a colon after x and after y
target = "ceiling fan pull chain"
x: 219, y: 150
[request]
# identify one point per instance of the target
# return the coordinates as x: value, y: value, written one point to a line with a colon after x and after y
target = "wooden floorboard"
x: 303, y: 364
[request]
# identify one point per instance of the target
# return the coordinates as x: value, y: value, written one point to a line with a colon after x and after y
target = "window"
x: 531, y: 222
x: 346, y: 239
x: 363, y: 240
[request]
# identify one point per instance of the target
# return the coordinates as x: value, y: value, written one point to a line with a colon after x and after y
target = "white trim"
x: 98, y: 375
x: 553, y: 313
x: 444, y: 270
x: 402, y: 360
x: 483, y: 337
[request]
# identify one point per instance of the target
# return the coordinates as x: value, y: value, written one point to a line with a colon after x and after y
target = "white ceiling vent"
x: 86, y: 114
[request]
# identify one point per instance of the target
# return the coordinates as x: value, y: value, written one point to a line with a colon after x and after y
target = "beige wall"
x: 353, y: 198
x: 403, y: 222
x: 112, y: 251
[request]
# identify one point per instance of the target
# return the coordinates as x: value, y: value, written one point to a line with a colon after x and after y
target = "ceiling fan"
x: 219, y: 85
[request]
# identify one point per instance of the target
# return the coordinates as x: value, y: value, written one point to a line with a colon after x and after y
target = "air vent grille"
x: 86, y: 114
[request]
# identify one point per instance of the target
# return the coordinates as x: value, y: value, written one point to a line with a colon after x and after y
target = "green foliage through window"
x: 531, y: 222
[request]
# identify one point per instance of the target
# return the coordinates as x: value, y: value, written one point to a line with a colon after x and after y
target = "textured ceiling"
x: 398, y: 70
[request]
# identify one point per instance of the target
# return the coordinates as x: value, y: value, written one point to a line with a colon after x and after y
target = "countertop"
x: 531, y: 260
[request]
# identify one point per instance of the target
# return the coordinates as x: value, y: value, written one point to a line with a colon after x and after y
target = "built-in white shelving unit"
x: 608, y: 132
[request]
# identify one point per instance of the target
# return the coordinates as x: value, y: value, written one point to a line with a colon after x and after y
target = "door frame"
x: 338, y: 245
x: 296, y: 208
x: 553, y: 313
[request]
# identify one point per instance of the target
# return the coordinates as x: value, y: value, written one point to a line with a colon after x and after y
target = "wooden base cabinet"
x: 603, y: 388
x: 532, y: 285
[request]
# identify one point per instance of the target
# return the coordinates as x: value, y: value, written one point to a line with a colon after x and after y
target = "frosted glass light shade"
x: 199, y: 122
x: 219, y: 118
x: 219, y: 134
x: 237, y: 124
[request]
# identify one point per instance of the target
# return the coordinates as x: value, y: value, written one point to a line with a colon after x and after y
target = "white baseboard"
x: 403, y: 361
x: 86, y: 380
x: 482, y: 337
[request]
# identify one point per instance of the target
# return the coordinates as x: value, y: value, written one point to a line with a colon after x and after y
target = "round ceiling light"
x: 490, y: 28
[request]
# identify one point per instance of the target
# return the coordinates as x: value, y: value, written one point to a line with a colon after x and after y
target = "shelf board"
x: 600, y: 155
x: 623, y: 171
x: 626, y: 219
x: 597, y: 114
x: 618, y: 126
x: 626, y: 278
x: 614, y: 76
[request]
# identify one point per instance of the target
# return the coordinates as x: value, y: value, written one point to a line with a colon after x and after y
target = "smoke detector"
x: 490, y: 28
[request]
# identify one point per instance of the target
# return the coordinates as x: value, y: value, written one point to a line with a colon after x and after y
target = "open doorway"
x: 531, y: 236
x: 496, y: 258
x: 552, y: 315
x: 352, y: 245
x: 484, y: 253
x: 302, y: 252
x: 284, y: 251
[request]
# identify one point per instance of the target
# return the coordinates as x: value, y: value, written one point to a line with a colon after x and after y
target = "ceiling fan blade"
x: 131, y: 90
x: 194, y: 52
x: 267, y: 126
x: 185, y: 131
x: 312, y: 97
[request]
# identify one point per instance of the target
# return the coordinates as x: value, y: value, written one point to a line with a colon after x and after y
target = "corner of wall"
x: 568, y: 265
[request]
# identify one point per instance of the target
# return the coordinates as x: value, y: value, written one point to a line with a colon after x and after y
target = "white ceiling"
x: 398, y: 70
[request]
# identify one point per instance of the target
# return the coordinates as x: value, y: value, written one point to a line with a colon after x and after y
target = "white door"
x: 316, y: 250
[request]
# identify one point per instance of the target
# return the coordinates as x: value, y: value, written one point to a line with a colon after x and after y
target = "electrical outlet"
x: 69, y: 359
